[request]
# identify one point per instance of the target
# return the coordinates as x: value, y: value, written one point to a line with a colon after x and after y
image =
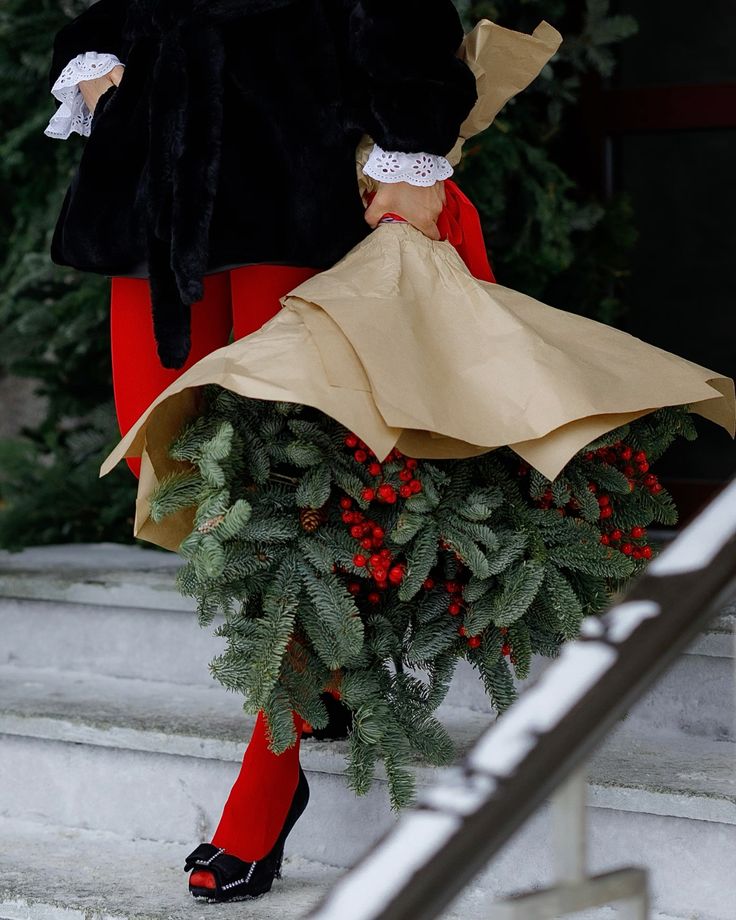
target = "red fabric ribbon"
x: 459, y: 224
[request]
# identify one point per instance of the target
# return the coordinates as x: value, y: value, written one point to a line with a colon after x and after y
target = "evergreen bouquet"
x: 333, y: 570
x: 372, y: 576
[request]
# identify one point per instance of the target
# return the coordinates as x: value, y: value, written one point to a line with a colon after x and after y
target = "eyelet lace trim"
x: 73, y: 114
x: 414, y: 168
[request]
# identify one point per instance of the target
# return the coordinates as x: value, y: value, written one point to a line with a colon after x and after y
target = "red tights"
x: 241, y: 300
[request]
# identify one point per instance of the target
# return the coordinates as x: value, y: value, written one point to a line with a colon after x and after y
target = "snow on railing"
x: 539, y: 746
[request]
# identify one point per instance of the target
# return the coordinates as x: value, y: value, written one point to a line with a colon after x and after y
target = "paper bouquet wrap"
x: 402, y: 345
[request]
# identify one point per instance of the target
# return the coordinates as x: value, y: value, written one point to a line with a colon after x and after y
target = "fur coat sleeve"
x: 405, y: 83
x: 99, y: 28
x: 407, y: 77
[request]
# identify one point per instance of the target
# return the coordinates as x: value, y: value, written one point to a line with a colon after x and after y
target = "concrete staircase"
x: 118, y: 749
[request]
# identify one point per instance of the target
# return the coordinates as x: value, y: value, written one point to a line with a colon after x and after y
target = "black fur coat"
x: 231, y: 138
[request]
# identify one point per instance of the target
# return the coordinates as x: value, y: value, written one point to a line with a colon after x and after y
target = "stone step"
x: 132, y: 578
x: 49, y: 873
x: 155, y: 761
x: 114, y: 610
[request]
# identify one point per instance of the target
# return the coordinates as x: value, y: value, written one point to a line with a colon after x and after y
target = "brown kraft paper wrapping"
x: 402, y: 345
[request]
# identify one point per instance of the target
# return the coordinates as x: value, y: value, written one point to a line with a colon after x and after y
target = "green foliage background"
x: 547, y: 237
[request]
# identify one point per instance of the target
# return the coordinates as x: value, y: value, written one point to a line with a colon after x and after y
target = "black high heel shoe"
x: 235, y: 879
x: 340, y: 724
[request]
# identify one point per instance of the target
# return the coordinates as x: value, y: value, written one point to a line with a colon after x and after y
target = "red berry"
x: 396, y: 575
x: 637, y: 532
x: 453, y: 587
x: 474, y: 641
x: 605, y: 539
x: 646, y: 552
x: 359, y: 560
x: 378, y: 533
x: 650, y: 480
x: 411, y: 463
x: 462, y: 631
x: 617, y: 534
x: 380, y: 575
x: 347, y: 517
x: 405, y: 491
x: 367, y: 543
x: 592, y: 487
x: 640, y: 456
x: 628, y: 470
x: 415, y: 486
x: 626, y: 453
x: 354, y: 587
x: 386, y: 492
x: 406, y: 475
x: 627, y: 549
x: 656, y: 488
x: 346, y: 503
x: 454, y: 609
x: 356, y: 531
x: 375, y: 469
x: 506, y: 649
x: 604, y: 500
x: 589, y: 455
x: 607, y: 512
x: 361, y: 456
x: 351, y: 440
x: 368, y: 494
x: 374, y: 598
x: 637, y: 554
x: 397, y: 453
x: 644, y: 467
x: 375, y: 561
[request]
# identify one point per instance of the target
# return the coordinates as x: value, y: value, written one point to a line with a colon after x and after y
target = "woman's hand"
x: 91, y: 90
x: 419, y: 205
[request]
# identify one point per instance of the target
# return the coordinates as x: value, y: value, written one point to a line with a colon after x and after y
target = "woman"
x: 220, y: 173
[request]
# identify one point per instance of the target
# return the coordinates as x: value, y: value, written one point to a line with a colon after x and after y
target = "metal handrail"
x: 436, y: 848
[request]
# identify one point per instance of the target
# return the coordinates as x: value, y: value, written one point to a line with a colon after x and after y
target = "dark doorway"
x: 666, y: 136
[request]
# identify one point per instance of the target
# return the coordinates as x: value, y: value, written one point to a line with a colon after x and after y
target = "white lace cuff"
x: 73, y: 114
x: 414, y: 168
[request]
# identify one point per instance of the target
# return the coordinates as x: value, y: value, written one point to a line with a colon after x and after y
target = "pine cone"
x: 312, y: 519
x: 211, y: 524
